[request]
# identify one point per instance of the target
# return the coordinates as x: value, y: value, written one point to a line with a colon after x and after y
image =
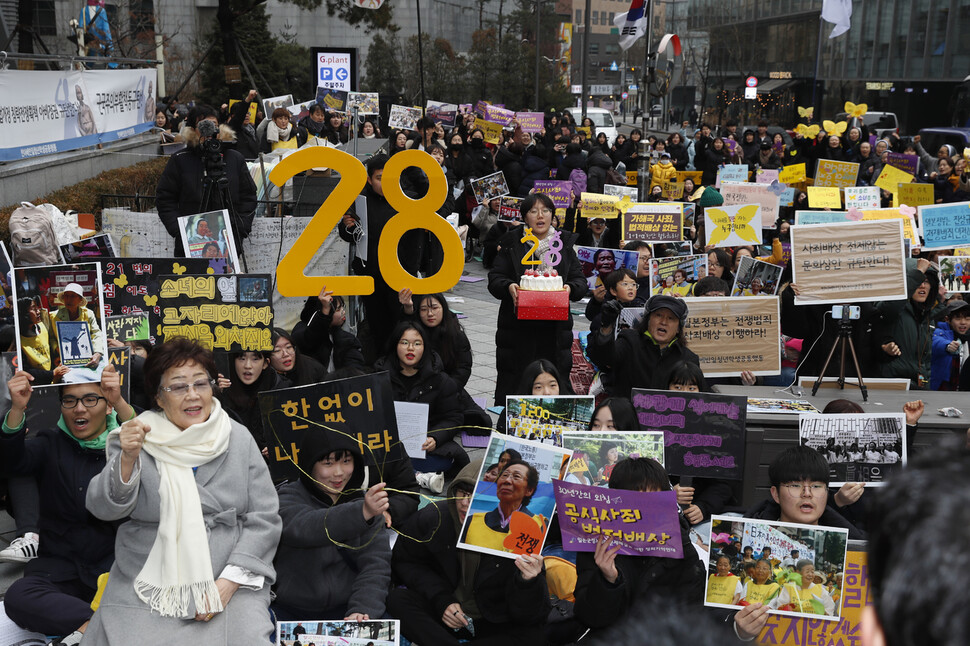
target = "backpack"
x: 616, y: 178
x: 32, y: 237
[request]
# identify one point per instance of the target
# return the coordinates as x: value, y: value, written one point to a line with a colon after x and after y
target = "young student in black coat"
x: 250, y: 374
x: 319, y: 333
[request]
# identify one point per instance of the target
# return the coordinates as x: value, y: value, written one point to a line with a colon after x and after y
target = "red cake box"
x: 544, y: 303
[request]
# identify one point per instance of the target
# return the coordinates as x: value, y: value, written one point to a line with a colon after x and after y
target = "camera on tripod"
x: 851, y: 312
x: 211, y: 148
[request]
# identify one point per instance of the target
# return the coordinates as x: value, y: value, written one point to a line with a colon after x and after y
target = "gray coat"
x: 240, y: 509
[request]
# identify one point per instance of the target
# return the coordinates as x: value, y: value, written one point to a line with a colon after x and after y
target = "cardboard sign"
x: 598, y: 205
x: 526, y: 531
x: 531, y: 121
x: 733, y: 334
x: 560, y: 192
x: 912, y: 194
x: 444, y: 113
x: 545, y: 419
x: 824, y: 197
x: 861, y: 197
x: 864, y: 447
x: 909, y: 164
x: 792, y: 174
x: 510, y: 209
x: 836, y: 173
x: 641, y: 523
x: 732, y: 173
x: 761, y: 194
x: 945, y: 226
x: 137, y: 235
x: 731, y: 226
x: 890, y: 178
x: 403, y: 117
x: 849, y: 262
x: 821, y: 217
x: 676, y: 275
x: 654, y: 222
x: 356, y: 413
x: 128, y: 327
x: 704, y: 433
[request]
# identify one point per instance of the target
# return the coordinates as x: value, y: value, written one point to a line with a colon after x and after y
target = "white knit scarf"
x: 275, y: 134
x: 179, y: 567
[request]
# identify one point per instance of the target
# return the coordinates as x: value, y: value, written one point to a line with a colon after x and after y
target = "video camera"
x: 211, y: 148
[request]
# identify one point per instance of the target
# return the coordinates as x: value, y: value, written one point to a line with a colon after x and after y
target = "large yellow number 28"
x: 291, y: 278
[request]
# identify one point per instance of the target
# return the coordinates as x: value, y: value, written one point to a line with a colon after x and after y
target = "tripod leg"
x: 842, y: 362
x: 855, y: 360
x: 825, y: 367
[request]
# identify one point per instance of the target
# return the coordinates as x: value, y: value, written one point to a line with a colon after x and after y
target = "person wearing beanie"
x: 454, y: 594
x: 643, y: 357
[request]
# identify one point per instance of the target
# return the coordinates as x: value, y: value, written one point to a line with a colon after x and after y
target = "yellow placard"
x: 492, y: 131
x: 909, y: 229
x: 836, y: 173
x: 585, y: 129
x: 824, y: 197
x: 596, y: 205
x: 792, y: 174
x: 693, y: 175
x: 252, y: 109
x: 913, y: 194
x: 672, y: 190
x: 891, y: 177
x: 631, y: 178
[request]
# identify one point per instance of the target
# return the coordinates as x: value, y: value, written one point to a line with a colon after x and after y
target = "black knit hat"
x: 675, y: 305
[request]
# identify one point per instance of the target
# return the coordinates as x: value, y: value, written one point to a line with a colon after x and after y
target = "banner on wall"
x: 49, y: 112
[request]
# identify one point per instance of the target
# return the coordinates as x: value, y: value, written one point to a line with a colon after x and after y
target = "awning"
x: 775, y: 85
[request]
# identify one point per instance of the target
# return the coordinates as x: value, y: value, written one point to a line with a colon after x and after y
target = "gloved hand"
x: 609, y: 313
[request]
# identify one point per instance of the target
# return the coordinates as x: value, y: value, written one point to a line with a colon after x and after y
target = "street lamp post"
x: 538, y: 5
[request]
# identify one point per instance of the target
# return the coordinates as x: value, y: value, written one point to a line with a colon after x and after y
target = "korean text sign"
x: 734, y: 334
x: 654, y: 222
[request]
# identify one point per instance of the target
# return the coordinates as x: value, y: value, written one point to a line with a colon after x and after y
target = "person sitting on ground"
x: 320, y: 334
x: 54, y: 596
x: 289, y: 362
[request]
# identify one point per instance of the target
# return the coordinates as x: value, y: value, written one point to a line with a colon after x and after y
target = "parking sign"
x: 335, y: 69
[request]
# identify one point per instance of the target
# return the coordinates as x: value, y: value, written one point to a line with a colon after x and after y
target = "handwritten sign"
x: 909, y: 224
x: 821, y: 217
x: 890, y: 178
x: 492, y: 131
x: 824, y: 197
x: 128, y: 327
x: 766, y: 175
x: 561, y: 193
x: 496, y: 114
x: 641, y: 523
x: 945, y: 225
x: 597, y: 205
x: 672, y: 190
x: 836, y: 173
x: 530, y: 121
x: 862, y: 197
x: 732, y: 173
x: 734, y: 334
x: 849, y: 262
x: 792, y: 174
x: 909, y: 164
x: 730, y: 226
x: 912, y: 194
x: 654, y: 222
x: 704, y: 433
x: 761, y: 194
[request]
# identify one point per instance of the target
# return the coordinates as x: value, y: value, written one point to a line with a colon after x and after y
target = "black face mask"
x: 477, y: 143
x: 457, y: 146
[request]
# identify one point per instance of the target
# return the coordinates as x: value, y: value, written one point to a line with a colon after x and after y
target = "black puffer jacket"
x: 511, y: 166
x: 636, y: 361
x: 596, y: 166
x: 433, y: 387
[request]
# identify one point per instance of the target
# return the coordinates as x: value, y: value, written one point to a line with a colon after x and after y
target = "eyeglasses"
x: 545, y: 212
x: 182, y: 389
x: 69, y: 402
x: 462, y: 495
x: 432, y: 308
x: 627, y: 283
x: 286, y: 349
x: 404, y: 343
x: 797, y: 487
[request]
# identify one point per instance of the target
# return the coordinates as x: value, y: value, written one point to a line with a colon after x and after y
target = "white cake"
x: 548, y: 281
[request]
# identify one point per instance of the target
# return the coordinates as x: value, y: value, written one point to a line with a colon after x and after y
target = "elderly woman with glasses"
x: 194, y: 559
x: 520, y: 342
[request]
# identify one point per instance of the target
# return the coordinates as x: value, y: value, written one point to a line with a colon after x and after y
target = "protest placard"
x: 824, y: 197
x: 640, y: 523
x: 671, y: 190
x: 498, y: 114
x: 785, y: 406
x: 63, y: 308
x: 676, y: 275
x: 209, y: 235
x: 282, y: 101
x: 356, y: 413
x: 525, y: 533
x: 561, y: 193
x: 489, y: 187
x: 402, y: 117
x: 781, y: 591
x: 890, y: 178
x: 137, y: 235
x: 510, y: 209
x: 597, y: 263
x: 531, y: 121
x: 231, y: 312
x: 492, y: 131
x: 703, y: 432
x: 596, y: 452
x: 327, y: 632
x: 821, y: 217
x: 756, y: 278
x: 598, y: 205
x: 693, y: 175
x: 909, y: 164
x: 7, y: 286
x: 863, y: 447
x: 331, y: 99
x: 443, y: 113
x: 128, y: 327
x: 836, y: 173
x: 652, y: 222
x: 364, y: 102
x: 861, y: 197
x: 913, y: 194
x: 689, y: 209
x: 253, y: 109
x: 849, y: 262
x: 955, y: 273
x: 732, y: 173
x: 762, y: 194
x: 480, y: 107
x: 945, y: 226
x: 910, y: 232
x: 791, y: 174
x: 733, y: 334
x: 620, y: 191
x: 96, y: 246
x: 766, y: 176
x: 545, y: 419
x: 631, y: 178
x: 732, y: 226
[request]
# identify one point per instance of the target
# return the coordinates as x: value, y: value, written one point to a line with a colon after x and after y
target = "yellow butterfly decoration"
x: 806, y: 112
x: 809, y: 132
x: 966, y: 154
x: 856, y: 109
x: 832, y: 128
x: 151, y: 301
x: 741, y: 226
x: 178, y: 269
x: 623, y: 205
x: 121, y: 281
